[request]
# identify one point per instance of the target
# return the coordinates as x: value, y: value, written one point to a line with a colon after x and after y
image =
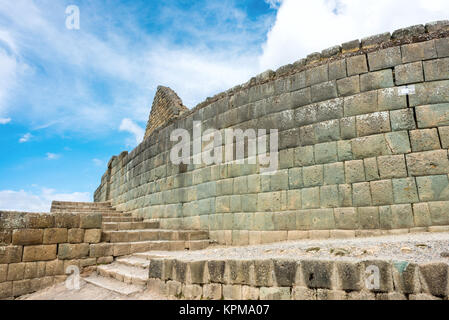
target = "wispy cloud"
x: 5, y: 120
x: 130, y: 126
x: 25, y: 138
x: 303, y: 27
x: 98, y: 162
x: 38, y: 201
x: 53, y: 156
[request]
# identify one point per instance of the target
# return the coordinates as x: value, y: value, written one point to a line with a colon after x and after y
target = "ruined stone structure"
x: 363, y: 150
x: 363, y: 141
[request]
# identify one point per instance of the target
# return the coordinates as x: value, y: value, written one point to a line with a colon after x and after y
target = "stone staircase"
x: 133, y: 240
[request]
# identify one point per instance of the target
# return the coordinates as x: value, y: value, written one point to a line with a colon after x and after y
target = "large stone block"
x: 376, y: 80
x: 322, y: 219
x: 435, y: 278
x: 402, y: 216
x: 27, y: 236
x: 419, y: 51
x: 406, y: 277
x: 275, y: 293
x: 368, y: 217
x: 101, y: 250
x: 373, y: 123
x: 436, y: 92
x: 409, y: 73
x: 385, y: 58
x: 337, y: 69
x: 348, y: 86
x: 285, y: 272
x: 263, y: 273
x: 91, y: 221
x: 217, y: 271
x: 55, y: 235
x: 428, y: 163
x: 317, y: 274
x: 382, y: 192
x: 370, y: 146
x: 317, y: 75
x: 421, y: 214
x: 310, y: 198
x: 378, y: 276
x: 354, y: 171
x: 357, y: 65
x: 391, y: 99
x: 360, y: 104
x: 442, y: 46
x: 334, y: 173
x: 439, y: 213
x: 326, y: 153
x: 436, y: 69
x: 361, y: 194
x: 39, y: 253
x: 73, y: 251
x: 349, y: 275
x: 324, y: 91
x: 402, y: 120
x: 67, y: 220
x: 346, y: 218
x: 392, y: 167
x: 405, y: 191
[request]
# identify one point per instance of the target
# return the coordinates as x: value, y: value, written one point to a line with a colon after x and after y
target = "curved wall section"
x: 363, y: 149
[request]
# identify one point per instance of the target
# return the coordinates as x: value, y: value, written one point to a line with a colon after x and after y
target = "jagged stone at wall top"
x: 166, y: 106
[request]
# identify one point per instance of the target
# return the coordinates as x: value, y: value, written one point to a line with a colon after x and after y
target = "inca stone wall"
x: 363, y: 140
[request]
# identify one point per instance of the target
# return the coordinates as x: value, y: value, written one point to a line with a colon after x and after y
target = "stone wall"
x: 307, y: 279
x: 36, y: 249
x: 363, y: 139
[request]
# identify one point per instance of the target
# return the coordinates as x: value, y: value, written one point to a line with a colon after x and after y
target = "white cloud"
x: 98, y: 162
x: 303, y: 26
x: 53, y: 156
x: 25, y: 138
x: 37, y: 202
x: 131, y: 127
x: 5, y: 120
x: 274, y: 3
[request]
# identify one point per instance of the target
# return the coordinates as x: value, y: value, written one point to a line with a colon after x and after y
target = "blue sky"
x: 70, y: 99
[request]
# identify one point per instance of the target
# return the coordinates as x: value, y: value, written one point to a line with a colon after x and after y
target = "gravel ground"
x: 418, y: 248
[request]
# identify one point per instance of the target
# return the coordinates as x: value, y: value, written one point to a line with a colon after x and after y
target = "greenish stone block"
x: 370, y: 146
x: 310, y: 198
x: 322, y: 219
x: 433, y: 188
x: 254, y: 183
x: 334, y: 173
x: 385, y: 217
x: 225, y: 187
x: 329, y: 196
x: 361, y: 194
x: 402, y: 216
x: 382, y: 192
x: 345, y: 195
x: 392, y: 167
x: 354, y: 171
x: 327, y: 131
x: 439, y: 212
x: 236, y: 203
x: 409, y: 73
x: 425, y: 140
x: 398, y: 142
x: 391, y: 99
x: 313, y: 176
x: 265, y: 181
x: 303, y: 219
x: 279, y: 201
x: 369, y: 217
x: 348, y: 128
x: 402, y: 120
x: 249, y: 202
x: 284, y: 220
x: 279, y: 180
x: 222, y: 204
x: 344, y: 150
x: 269, y: 224
x: 240, y: 185
x: 294, y: 199
x: 259, y: 221
x: 264, y: 202
x: 326, y: 152
x: 286, y: 158
x: 346, y: 218
x: 421, y: 214
x: 362, y: 103
x: 242, y: 221
x: 304, y: 156
x: 432, y: 115
x: 204, y: 222
x: 295, y: 180
x: 405, y: 191
x: 371, y: 169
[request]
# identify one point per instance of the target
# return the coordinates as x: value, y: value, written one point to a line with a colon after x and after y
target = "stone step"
x: 116, y: 214
x: 125, y: 273
x: 117, y: 226
x: 121, y: 249
x: 153, y: 234
x: 122, y: 219
x: 114, y: 285
x: 134, y: 261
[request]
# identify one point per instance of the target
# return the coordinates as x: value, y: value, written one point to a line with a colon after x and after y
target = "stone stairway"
x: 132, y: 239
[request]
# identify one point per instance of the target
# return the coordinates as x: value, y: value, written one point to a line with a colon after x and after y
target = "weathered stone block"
x: 67, y: 220
x: 360, y: 104
x: 382, y: 192
x: 348, y: 86
x: 324, y: 91
x: 433, y: 188
x: 425, y: 140
x: 392, y: 167
x: 357, y: 65
x: 317, y: 274
x: 373, y: 123
x: 39, y: 221
x: 402, y: 216
x: 436, y: 92
x: 101, y: 250
x: 376, y: 80
x: 346, y: 218
x: 349, y: 275
x: 337, y: 69
x: 409, y: 73
x: 419, y: 51
x: 310, y: 198
x: 326, y: 152
x: 344, y: 150
x: 304, y: 156
x: 16, y: 271
x: 92, y: 236
x: 217, y: 272
x: 371, y: 169
x: 402, y: 120
x: 361, y: 194
x: 27, y: 236
x: 354, y: 171
x: 391, y: 99
x: 398, y: 142
x: 348, y: 128
x: 435, y: 278
x: 91, y: 221
x: 368, y: 217
x: 317, y: 75
x: 39, y: 253
x: 436, y: 69
x: 384, y: 272
x: 275, y: 293
x: 405, y: 191
x: 428, y: 163
x: 421, y: 214
x: 442, y: 46
x: 406, y: 277
x: 212, y: 291
x: 263, y: 273
x: 285, y: 272
x: 322, y: 219
x: 55, y: 235
x: 313, y: 176
x: 385, y: 58
x: 439, y: 213
x: 302, y: 293
x: 73, y: 251
x: 334, y: 173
